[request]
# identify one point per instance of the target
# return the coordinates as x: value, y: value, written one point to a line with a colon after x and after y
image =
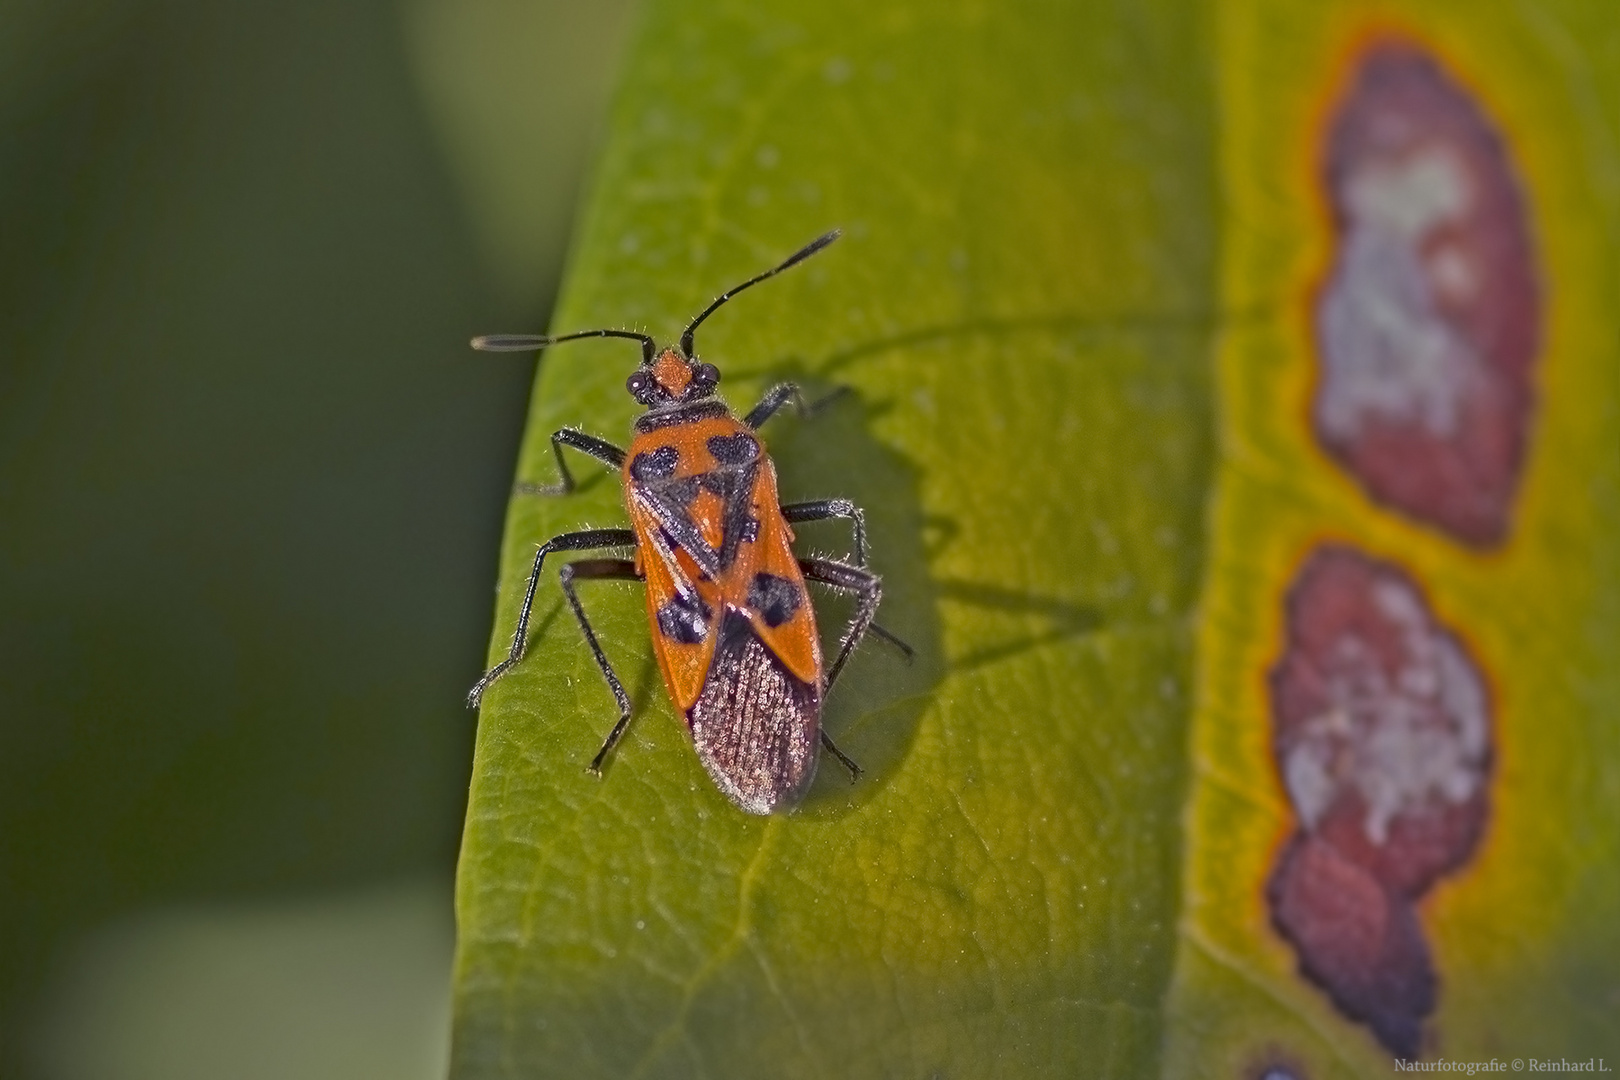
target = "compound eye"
x: 707, y: 376
x: 639, y: 384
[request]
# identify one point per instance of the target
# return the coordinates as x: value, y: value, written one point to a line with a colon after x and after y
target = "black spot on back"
x: 685, y: 619
x: 723, y: 482
x: 738, y: 449
x: 655, y: 465
x: 775, y: 598
x: 680, y: 493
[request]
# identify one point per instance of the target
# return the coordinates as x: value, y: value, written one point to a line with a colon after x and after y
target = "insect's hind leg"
x: 574, y: 541
x: 600, y: 449
x: 600, y: 570
x: 855, y: 579
x: 869, y: 590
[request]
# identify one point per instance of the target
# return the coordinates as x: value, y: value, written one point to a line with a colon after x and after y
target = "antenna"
x: 797, y: 257
x: 531, y: 342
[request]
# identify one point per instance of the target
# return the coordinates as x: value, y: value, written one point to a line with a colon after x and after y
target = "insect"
x: 732, y: 624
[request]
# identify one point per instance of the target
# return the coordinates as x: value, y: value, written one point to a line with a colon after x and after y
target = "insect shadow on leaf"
x: 1065, y: 619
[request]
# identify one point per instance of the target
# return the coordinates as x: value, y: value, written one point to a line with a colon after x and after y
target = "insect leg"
x: 905, y: 650
x: 600, y: 449
x: 600, y: 570
x: 575, y: 541
x: 822, y: 509
x: 869, y: 589
x: 848, y: 762
x: 783, y: 393
x: 874, y: 626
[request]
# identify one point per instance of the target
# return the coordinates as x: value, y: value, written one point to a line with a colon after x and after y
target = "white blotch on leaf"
x: 1389, y: 354
x: 1401, y: 741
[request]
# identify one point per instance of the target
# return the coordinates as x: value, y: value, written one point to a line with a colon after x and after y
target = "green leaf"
x: 1057, y: 861
x: 1021, y: 307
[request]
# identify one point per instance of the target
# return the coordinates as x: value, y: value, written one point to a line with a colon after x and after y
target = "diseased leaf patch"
x: 1429, y: 323
x: 1382, y: 735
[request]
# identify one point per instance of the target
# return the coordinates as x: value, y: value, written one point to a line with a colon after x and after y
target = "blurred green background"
x: 251, y: 481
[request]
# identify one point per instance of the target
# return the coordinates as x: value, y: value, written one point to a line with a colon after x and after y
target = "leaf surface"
x: 1082, y: 428
x: 1021, y: 308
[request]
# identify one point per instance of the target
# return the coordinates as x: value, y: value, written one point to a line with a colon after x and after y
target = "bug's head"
x: 672, y: 378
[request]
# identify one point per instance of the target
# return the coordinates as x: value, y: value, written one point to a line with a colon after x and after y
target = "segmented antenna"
x: 531, y: 342
x: 797, y: 257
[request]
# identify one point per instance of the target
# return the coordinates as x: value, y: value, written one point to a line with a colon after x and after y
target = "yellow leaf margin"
x: 1524, y: 936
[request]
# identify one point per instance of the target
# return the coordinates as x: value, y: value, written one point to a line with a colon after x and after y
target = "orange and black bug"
x: 731, y: 619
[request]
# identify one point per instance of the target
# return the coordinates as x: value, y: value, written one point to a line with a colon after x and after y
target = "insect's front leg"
x: 600, y: 449
x: 782, y: 394
x: 823, y: 509
x: 574, y: 541
x: 600, y: 570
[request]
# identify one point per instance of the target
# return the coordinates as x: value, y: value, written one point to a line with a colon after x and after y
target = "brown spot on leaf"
x: 1430, y: 319
x: 1382, y: 737
x: 1356, y: 938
